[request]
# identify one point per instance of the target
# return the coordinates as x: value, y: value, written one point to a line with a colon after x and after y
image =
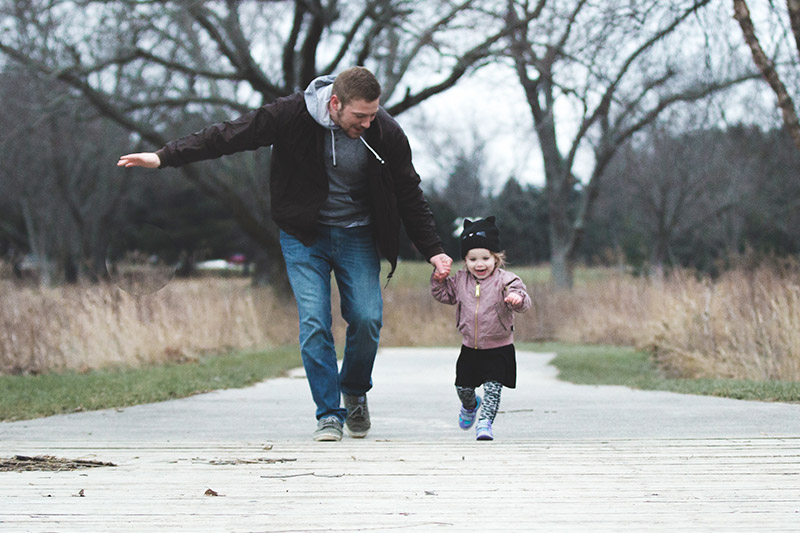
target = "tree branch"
x: 289, y: 70
x: 467, y: 60
x: 251, y: 71
x: 605, y: 103
x: 742, y: 14
x: 350, y: 36
x: 794, y: 19
x: 426, y: 37
x: 308, y: 52
x: 237, y: 52
x: 184, y: 101
x: 179, y: 67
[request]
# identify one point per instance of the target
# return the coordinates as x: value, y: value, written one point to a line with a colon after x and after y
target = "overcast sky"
x: 495, y: 111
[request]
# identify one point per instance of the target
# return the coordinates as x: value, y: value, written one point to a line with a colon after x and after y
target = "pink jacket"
x: 483, y: 318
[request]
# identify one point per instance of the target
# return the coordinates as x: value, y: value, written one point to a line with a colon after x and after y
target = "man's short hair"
x: 356, y: 83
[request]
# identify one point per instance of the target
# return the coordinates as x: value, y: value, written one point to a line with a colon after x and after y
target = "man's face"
x: 355, y: 117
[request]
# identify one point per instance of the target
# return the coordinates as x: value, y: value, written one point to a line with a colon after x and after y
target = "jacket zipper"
x: 477, y: 303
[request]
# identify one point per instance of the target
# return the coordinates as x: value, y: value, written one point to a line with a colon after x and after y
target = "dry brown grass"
x: 411, y: 317
x: 745, y: 324
x: 95, y: 326
x: 614, y: 310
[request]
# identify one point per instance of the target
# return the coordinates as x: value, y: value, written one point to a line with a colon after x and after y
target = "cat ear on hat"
x: 467, y: 223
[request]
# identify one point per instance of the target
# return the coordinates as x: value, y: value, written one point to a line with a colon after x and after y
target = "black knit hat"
x: 482, y: 233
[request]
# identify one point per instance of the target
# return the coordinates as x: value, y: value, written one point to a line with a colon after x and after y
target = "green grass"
x: 25, y: 397
x: 611, y: 365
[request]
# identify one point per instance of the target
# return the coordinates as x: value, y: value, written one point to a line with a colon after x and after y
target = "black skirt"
x: 476, y: 367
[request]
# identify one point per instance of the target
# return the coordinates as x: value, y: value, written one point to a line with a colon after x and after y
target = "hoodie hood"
x: 317, y: 95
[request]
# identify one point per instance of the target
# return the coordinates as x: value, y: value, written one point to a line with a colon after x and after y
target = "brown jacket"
x: 298, y: 182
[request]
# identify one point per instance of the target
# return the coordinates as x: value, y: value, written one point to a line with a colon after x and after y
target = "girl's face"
x: 480, y: 262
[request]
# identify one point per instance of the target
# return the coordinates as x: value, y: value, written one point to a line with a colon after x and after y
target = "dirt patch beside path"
x: 48, y: 463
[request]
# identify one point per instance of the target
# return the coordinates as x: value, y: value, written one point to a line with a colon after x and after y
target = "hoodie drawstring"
x: 333, y: 147
x: 371, y: 150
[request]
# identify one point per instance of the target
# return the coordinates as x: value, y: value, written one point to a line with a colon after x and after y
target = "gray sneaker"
x: 357, y: 421
x: 328, y: 428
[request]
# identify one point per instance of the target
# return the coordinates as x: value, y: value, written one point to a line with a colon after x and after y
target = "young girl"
x: 486, y: 295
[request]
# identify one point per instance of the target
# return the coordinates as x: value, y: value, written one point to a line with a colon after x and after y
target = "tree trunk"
x: 561, y: 270
x: 562, y: 229
x: 47, y: 267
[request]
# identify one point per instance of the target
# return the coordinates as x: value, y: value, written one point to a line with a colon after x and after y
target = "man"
x: 341, y: 182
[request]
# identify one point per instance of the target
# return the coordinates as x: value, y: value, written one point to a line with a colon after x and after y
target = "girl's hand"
x: 439, y: 276
x: 513, y: 299
x: 441, y: 264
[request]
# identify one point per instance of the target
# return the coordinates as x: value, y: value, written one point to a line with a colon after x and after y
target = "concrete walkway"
x: 566, y: 457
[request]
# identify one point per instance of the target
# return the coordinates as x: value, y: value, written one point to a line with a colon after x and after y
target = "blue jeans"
x: 352, y: 255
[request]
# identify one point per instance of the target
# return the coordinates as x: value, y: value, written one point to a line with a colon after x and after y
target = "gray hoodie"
x: 317, y: 95
x: 345, y: 161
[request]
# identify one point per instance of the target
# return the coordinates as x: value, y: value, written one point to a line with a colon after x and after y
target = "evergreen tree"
x: 522, y: 220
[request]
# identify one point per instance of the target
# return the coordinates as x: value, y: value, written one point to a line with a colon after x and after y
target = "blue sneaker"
x: 467, y: 416
x: 483, y: 431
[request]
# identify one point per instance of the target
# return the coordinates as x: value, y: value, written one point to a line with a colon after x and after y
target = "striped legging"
x: 491, y: 399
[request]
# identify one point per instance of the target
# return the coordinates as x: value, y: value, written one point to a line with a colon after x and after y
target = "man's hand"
x: 441, y: 263
x: 143, y: 159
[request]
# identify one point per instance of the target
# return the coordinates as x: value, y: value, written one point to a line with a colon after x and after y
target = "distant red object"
x: 237, y: 259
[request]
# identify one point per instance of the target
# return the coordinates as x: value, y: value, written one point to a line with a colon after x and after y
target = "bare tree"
x: 594, y: 74
x: 148, y: 66
x: 766, y: 63
x: 692, y: 186
x: 54, y: 173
